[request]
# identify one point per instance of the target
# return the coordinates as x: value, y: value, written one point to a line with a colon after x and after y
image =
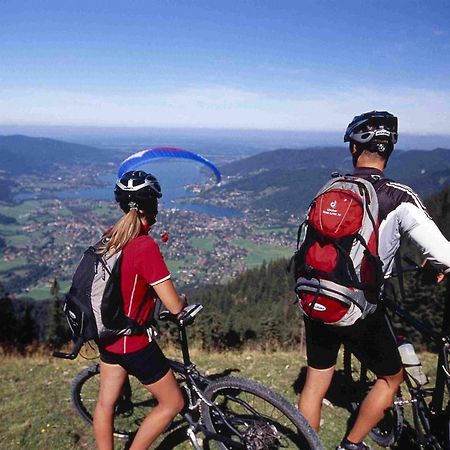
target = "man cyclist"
x: 371, y: 138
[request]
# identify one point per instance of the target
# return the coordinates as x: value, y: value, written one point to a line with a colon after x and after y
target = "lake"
x: 173, y: 177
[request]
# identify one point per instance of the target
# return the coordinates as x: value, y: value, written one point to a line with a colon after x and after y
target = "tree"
x: 56, y: 333
x: 8, y: 322
x: 26, y: 330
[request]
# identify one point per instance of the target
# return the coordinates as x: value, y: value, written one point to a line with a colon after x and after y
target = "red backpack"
x: 337, y: 268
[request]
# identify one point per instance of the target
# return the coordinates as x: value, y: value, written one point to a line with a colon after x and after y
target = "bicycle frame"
x: 436, y: 407
x: 210, y: 405
x: 195, y: 386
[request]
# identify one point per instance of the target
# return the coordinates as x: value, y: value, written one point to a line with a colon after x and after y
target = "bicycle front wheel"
x: 250, y: 416
x: 133, y: 406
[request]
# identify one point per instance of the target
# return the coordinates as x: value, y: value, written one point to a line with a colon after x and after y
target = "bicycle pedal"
x: 196, y: 442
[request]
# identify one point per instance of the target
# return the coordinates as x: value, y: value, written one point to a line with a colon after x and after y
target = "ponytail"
x: 126, y: 228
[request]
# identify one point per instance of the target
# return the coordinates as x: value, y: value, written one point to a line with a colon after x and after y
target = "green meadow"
x: 37, y: 413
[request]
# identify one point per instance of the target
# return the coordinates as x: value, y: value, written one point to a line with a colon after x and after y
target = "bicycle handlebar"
x: 425, y: 273
x: 184, y: 318
x: 73, y: 354
x: 65, y: 355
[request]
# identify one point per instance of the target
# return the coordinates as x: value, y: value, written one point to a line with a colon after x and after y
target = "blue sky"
x: 298, y: 65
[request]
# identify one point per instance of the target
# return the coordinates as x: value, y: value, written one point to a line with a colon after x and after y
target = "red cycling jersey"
x: 142, y: 267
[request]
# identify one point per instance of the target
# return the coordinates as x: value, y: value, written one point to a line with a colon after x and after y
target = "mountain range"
x: 286, y: 179
x: 22, y: 154
x: 283, y: 180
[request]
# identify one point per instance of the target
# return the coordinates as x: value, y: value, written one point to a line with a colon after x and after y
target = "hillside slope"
x: 22, y: 154
x: 286, y: 179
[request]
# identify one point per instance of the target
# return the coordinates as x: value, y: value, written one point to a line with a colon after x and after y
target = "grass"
x: 103, y: 207
x: 176, y: 266
x: 37, y: 414
x: 270, y: 230
x: 205, y: 244
x: 18, y: 239
x: 18, y: 209
x: 258, y: 253
x: 13, y: 264
x: 42, y: 291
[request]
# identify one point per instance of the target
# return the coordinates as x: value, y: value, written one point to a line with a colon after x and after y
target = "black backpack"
x: 93, y: 306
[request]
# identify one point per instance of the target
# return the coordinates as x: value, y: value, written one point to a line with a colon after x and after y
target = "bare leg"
x: 372, y: 409
x: 170, y: 403
x: 112, y: 377
x: 316, y: 386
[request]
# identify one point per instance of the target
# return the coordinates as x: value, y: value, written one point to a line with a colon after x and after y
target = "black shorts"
x: 148, y: 365
x: 371, y: 340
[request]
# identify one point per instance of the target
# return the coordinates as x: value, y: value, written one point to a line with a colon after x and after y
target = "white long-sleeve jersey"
x: 402, y: 213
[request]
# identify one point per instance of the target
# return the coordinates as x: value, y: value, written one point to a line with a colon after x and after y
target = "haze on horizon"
x: 266, y: 65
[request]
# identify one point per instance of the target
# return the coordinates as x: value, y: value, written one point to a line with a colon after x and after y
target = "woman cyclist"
x: 144, y: 276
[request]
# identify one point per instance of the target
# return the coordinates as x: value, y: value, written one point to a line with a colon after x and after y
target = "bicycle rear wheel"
x: 253, y: 417
x: 388, y: 430
x: 133, y: 406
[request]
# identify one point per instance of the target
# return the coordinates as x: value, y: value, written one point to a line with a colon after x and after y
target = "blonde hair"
x: 125, y: 229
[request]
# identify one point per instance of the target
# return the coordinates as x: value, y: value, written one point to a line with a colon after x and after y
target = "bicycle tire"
x: 387, y: 432
x: 252, y: 408
x: 131, y: 409
x: 422, y: 427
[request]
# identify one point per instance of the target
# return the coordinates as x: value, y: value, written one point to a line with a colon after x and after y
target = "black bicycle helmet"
x: 373, y: 126
x: 139, y: 190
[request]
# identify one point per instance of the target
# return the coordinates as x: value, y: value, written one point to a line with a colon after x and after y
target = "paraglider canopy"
x: 144, y: 156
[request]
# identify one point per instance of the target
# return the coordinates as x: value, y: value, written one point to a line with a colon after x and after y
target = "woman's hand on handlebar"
x: 184, y: 299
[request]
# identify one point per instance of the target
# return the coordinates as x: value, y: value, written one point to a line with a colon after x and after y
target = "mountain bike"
x: 224, y: 413
x: 429, y: 412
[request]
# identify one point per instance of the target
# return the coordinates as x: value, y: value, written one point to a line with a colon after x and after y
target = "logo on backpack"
x: 93, y: 306
x: 337, y: 268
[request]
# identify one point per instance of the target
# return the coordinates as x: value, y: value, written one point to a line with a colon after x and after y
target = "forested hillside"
x: 259, y: 304
x: 285, y: 180
x: 256, y: 308
x: 439, y: 208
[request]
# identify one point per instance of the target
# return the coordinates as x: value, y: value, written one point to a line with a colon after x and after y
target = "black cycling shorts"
x: 148, y: 365
x: 370, y: 339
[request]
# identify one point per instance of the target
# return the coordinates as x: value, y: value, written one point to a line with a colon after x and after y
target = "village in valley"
x: 43, y: 238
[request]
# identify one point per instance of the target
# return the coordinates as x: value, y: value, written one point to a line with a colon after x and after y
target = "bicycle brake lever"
x: 74, y: 353
x: 187, y: 316
x: 64, y: 355
x: 165, y: 315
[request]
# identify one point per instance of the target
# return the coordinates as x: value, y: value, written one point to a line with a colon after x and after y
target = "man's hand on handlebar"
x: 429, y: 274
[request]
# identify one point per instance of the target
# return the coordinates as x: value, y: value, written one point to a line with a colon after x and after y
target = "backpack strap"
x: 299, y: 232
x: 399, y: 268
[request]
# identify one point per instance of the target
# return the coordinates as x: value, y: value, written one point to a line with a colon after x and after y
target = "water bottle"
x: 411, y: 363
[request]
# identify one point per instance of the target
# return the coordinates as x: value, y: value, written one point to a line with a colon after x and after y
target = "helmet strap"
x: 384, y: 149
x: 151, y: 218
x: 356, y: 152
